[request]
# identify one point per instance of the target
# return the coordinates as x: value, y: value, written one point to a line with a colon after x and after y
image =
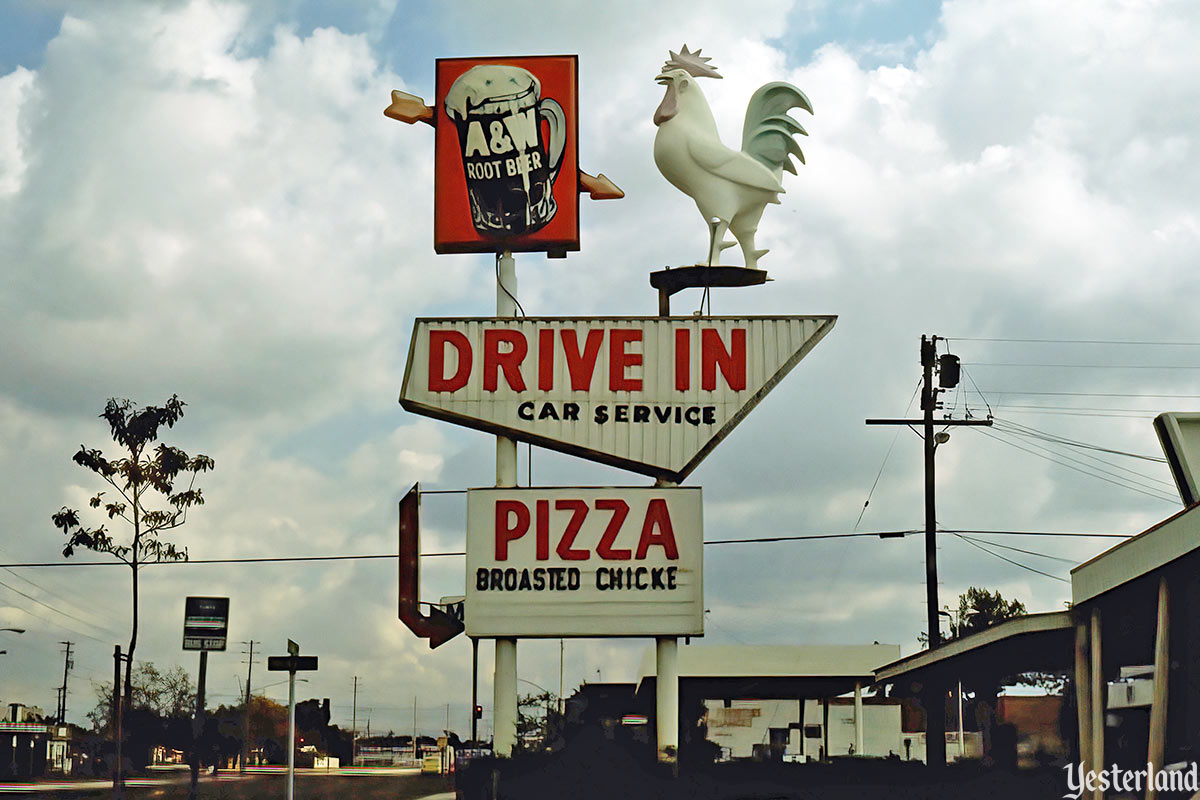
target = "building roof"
x: 1024, y: 644
x: 1155, y: 547
x: 772, y: 671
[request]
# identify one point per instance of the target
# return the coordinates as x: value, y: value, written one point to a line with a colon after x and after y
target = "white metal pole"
x: 291, y: 776
x: 504, y: 684
x: 504, y: 698
x: 858, y: 719
x: 962, y: 745
x: 667, y: 654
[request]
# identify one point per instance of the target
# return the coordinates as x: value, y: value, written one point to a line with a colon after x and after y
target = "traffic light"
x: 478, y: 712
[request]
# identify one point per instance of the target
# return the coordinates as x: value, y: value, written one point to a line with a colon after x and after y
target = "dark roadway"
x: 308, y: 787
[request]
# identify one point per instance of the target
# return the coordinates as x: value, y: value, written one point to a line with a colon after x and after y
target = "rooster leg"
x: 716, y: 239
x: 743, y: 227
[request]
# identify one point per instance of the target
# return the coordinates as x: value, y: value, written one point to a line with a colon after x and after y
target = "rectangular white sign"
x: 585, y: 562
x: 650, y: 394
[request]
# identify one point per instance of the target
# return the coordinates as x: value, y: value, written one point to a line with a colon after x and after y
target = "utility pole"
x: 354, y: 726
x: 246, y: 721
x: 62, y: 698
x: 948, y: 368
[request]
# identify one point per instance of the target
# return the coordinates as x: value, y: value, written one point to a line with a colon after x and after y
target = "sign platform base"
x: 669, y: 281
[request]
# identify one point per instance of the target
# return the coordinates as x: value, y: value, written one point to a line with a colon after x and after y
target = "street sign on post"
x: 292, y: 663
x: 205, y: 623
x: 584, y: 562
x: 653, y: 395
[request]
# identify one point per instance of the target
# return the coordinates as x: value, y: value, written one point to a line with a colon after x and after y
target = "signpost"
x: 653, y: 395
x: 649, y: 394
x: 205, y: 628
x: 292, y: 663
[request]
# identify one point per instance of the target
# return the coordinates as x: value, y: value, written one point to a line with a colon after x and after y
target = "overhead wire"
x: 1132, y: 475
x: 1077, y: 341
x: 1122, y: 484
x: 1011, y: 561
x: 1019, y: 550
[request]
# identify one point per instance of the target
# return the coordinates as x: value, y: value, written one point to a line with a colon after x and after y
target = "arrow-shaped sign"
x: 411, y: 109
x: 438, y: 626
x: 650, y: 394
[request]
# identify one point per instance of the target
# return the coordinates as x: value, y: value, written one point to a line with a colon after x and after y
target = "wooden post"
x: 1097, y: 702
x: 1083, y: 695
x: 1158, y: 707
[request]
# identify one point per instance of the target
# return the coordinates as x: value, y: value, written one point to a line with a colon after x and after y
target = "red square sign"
x: 506, y: 155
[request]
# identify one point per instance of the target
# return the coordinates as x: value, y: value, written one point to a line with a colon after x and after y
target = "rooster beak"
x: 662, y: 80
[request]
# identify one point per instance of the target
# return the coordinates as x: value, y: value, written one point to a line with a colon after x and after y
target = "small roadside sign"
x: 205, y: 623
x: 291, y: 663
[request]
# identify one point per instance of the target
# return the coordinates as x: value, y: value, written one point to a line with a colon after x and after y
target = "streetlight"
x: 13, y: 630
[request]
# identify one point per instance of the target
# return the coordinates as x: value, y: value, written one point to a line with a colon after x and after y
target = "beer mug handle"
x: 552, y: 112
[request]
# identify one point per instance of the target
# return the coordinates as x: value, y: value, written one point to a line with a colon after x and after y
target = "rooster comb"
x: 692, y: 63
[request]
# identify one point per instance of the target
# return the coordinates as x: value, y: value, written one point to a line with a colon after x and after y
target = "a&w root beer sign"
x: 506, y: 155
x: 649, y: 394
x: 584, y: 562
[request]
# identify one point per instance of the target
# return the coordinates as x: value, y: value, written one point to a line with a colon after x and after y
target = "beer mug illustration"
x: 510, y: 166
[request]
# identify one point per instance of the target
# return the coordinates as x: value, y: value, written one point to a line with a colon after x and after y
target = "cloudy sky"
x: 204, y: 198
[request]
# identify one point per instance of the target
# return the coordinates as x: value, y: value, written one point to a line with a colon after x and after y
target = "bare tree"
x: 146, y: 500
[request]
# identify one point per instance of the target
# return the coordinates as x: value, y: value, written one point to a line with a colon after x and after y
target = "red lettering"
x: 620, y: 510
x: 683, y: 359
x: 546, y: 359
x: 507, y: 528
x: 732, y: 361
x: 619, y: 359
x: 543, y: 530
x: 510, y: 362
x: 658, y: 518
x: 579, y: 510
x: 581, y: 366
x: 438, y: 382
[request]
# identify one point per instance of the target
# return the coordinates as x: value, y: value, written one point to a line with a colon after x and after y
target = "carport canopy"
x: 1032, y: 643
x: 779, y: 672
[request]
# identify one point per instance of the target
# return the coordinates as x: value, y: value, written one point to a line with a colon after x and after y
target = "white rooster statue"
x: 731, y: 188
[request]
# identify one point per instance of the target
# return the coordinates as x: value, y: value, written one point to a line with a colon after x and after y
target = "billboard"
x: 506, y: 155
x: 562, y: 562
x: 205, y: 623
x: 649, y: 394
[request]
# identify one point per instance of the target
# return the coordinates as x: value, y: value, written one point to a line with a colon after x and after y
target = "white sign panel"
x: 650, y: 394
x: 584, y: 562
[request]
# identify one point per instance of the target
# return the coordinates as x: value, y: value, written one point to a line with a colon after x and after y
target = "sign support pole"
x: 667, y: 699
x: 198, y: 724
x: 291, y: 775
x: 504, y: 700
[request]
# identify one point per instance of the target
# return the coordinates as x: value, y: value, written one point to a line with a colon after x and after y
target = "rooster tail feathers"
x: 768, y: 130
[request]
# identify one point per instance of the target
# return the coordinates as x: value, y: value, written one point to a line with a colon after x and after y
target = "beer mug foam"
x: 509, y: 165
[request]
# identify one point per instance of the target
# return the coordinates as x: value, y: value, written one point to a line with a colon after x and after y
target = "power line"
x: 1010, y: 561
x: 1097, y: 394
x: 1020, y: 550
x: 1079, y: 366
x: 1076, y: 341
x: 1122, y: 482
x: 755, y: 540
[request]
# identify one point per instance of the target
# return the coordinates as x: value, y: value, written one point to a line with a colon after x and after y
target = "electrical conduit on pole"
x: 504, y: 699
